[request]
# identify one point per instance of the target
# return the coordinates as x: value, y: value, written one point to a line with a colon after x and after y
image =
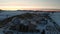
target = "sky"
x: 29, y: 4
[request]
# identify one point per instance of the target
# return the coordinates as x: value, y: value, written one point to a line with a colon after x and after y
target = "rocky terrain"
x: 28, y: 22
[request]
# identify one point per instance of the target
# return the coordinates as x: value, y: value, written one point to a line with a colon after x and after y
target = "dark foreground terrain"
x: 29, y: 22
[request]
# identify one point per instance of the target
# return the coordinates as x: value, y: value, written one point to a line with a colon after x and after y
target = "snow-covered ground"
x: 3, y: 15
x: 6, y: 14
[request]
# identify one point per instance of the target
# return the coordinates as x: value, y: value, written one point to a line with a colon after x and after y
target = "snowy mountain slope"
x: 54, y: 16
x: 7, y: 14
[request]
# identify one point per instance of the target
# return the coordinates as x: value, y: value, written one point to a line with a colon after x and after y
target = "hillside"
x: 33, y: 21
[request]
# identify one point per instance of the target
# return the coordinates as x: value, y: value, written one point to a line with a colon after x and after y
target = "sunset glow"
x: 29, y: 4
